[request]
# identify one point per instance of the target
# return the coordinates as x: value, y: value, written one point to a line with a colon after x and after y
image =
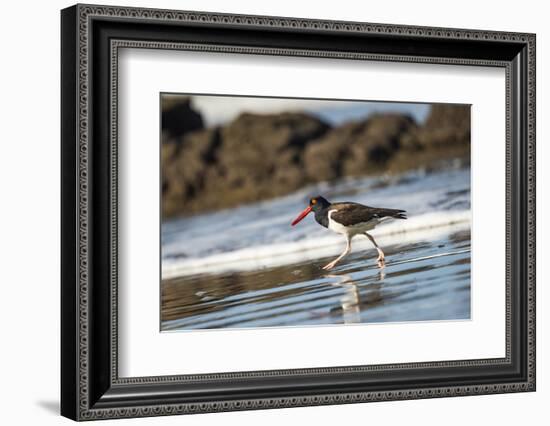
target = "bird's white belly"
x: 358, y: 228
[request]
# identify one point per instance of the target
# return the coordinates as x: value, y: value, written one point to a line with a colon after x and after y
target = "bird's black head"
x: 318, y: 203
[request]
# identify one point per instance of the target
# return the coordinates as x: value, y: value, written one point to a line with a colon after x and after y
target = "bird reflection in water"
x: 352, y: 301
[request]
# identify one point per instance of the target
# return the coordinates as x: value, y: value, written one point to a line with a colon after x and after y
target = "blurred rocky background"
x: 260, y: 156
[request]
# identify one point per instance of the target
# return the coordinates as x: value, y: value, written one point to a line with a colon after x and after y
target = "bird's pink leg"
x: 381, y: 259
x: 345, y: 253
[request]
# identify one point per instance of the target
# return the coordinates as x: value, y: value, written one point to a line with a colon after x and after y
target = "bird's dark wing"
x: 349, y: 214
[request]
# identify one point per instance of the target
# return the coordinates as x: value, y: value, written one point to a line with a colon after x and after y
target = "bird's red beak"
x: 301, y: 215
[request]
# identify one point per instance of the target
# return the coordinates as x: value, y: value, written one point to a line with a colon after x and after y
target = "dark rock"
x: 185, y: 166
x: 251, y: 158
x: 263, y: 153
x: 178, y: 118
x: 445, y: 126
x: 356, y: 148
x: 377, y: 144
x: 257, y: 157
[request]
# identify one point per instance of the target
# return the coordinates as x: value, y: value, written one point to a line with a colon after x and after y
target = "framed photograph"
x: 263, y: 212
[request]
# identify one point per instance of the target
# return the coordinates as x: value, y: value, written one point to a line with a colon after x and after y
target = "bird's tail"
x: 402, y: 214
x: 391, y: 213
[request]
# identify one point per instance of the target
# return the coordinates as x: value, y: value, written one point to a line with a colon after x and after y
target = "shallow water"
x: 422, y: 281
x: 247, y: 267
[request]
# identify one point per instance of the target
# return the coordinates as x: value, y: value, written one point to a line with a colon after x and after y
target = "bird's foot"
x: 329, y: 266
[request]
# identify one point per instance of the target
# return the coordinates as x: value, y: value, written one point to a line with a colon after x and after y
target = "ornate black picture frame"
x: 91, y: 37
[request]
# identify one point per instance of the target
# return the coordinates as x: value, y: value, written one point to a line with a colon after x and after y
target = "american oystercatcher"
x: 350, y: 219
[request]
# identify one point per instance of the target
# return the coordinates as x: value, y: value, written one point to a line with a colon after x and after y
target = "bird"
x: 349, y: 219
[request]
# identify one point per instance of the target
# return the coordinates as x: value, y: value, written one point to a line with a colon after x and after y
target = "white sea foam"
x: 422, y: 227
